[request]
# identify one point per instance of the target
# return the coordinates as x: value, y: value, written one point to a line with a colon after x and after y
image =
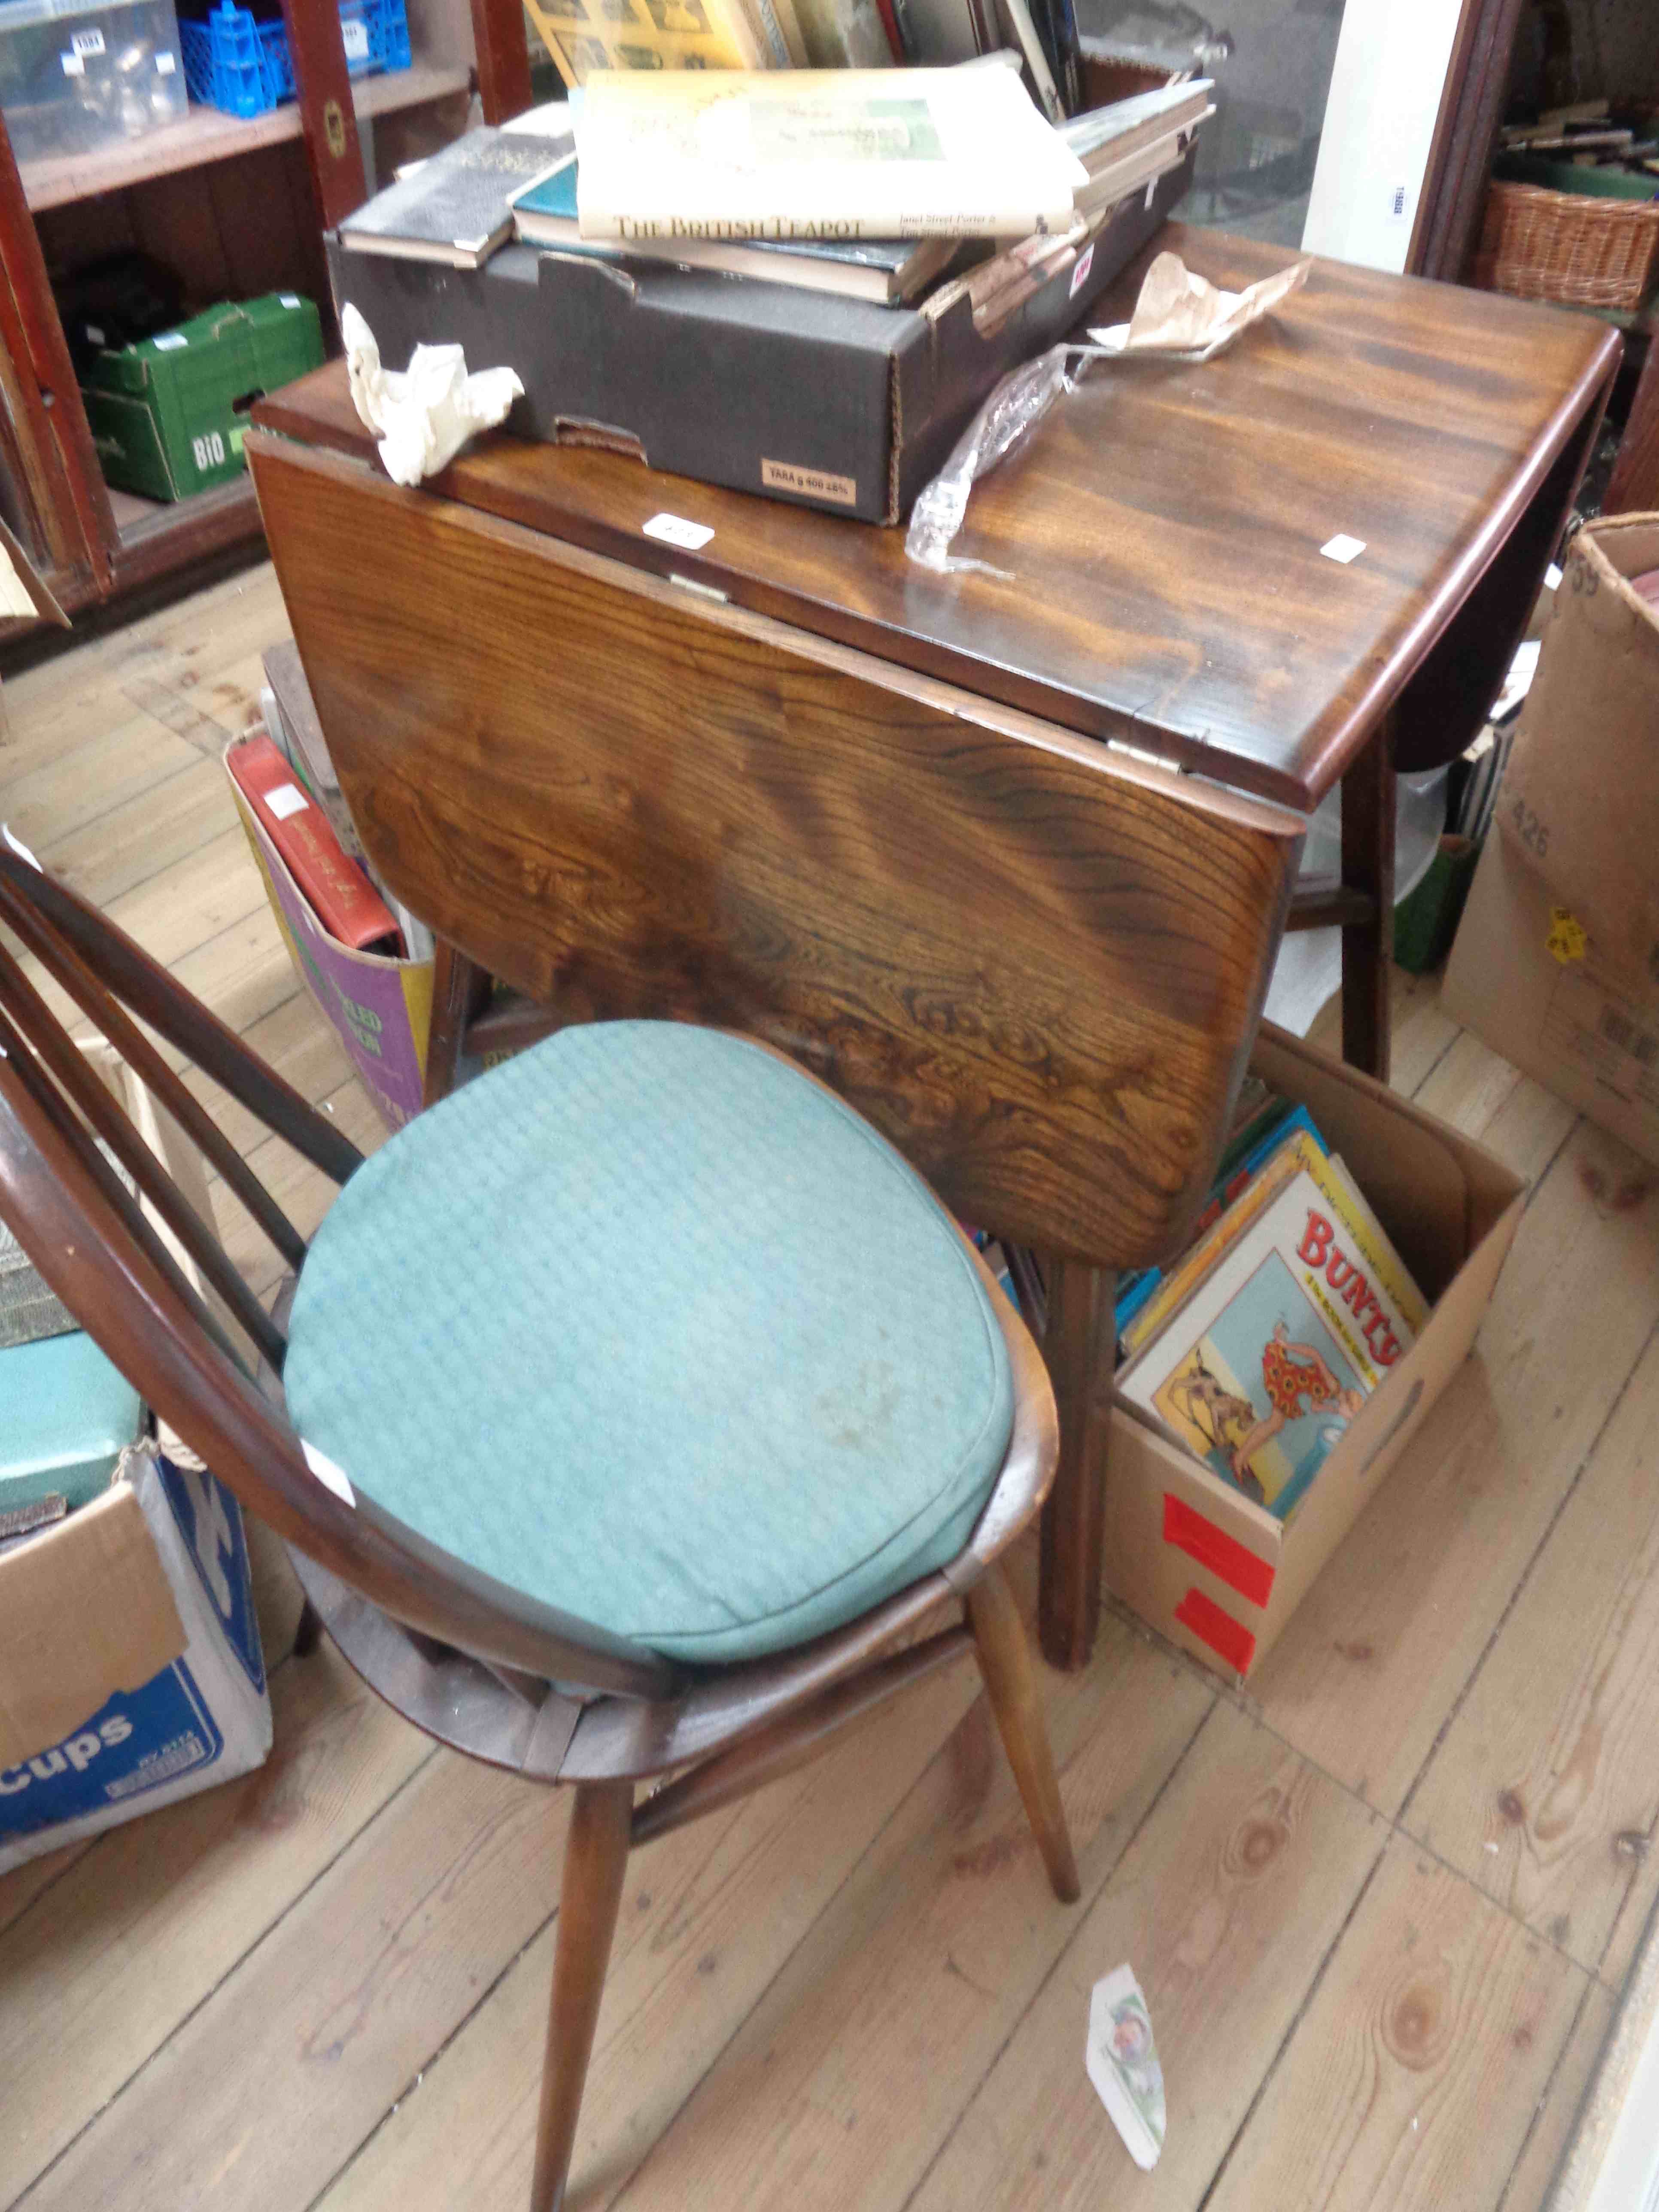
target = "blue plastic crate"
x: 234, y: 62
x: 278, y: 60
x: 224, y: 64
x: 357, y: 29
x: 391, y: 28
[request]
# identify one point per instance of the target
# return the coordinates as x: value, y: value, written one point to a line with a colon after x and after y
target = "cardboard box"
x: 1580, y: 802
x: 1205, y: 1565
x: 169, y: 414
x: 379, y: 1008
x: 770, y: 388
x: 130, y: 1668
x: 1526, y: 978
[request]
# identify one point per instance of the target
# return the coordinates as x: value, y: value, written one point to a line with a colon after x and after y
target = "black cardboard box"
x: 802, y: 395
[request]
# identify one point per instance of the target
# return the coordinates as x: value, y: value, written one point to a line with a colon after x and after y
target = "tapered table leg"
x: 1368, y: 826
x: 1078, y: 1347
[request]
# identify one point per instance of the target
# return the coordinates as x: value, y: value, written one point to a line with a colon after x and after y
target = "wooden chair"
x: 494, y: 1670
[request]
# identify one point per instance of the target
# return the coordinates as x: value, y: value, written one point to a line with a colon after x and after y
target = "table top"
x: 1161, y: 530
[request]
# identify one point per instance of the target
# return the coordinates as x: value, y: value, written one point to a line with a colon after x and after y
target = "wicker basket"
x: 1567, y: 246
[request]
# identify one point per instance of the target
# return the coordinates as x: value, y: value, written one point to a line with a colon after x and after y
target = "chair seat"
x: 647, y: 1325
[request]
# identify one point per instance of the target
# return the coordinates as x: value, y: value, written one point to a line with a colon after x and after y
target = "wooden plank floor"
x: 1383, y: 1905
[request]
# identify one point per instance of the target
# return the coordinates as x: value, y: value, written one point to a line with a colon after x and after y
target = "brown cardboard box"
x: 64, y: 1649
x: 131, y: 1671
x: 1565, y: 1020
x: 1580, y: 803
x: 1207, y: 1567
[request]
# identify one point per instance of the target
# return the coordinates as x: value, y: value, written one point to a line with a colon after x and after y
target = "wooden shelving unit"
x: 168, y: 537
x: 207, y: 135
x: 239, y: 208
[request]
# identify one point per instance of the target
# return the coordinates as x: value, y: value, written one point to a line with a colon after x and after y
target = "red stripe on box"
x: 1193, y: 1532
x: 1229, y: 1638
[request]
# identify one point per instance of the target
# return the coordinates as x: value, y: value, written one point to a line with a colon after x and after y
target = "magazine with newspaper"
x: 1299, y: 1147
x: 1262, y: 1370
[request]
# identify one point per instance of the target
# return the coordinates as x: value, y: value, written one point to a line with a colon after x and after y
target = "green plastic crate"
x: 288, y: 339
x: 169, y: 415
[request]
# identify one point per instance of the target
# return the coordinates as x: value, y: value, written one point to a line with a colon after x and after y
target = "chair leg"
x: 1005, y: 1661
x: 595, y: 1860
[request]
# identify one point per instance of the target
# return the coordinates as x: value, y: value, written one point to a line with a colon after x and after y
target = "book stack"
x: 1127, y: 145
x: 668, y: 35
x: 678, y: 34
x: 456, y: 207
x: 1255, y: 1348
x: 699, y: 249
x: 875, y: 185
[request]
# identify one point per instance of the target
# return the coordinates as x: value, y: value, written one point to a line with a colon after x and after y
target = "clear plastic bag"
x: 1022, y: 398
x: 1181, y: 318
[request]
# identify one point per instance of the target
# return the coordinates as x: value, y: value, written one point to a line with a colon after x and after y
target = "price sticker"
x: 675, y: 530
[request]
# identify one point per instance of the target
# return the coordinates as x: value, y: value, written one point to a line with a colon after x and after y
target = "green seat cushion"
x: 650, y: 1326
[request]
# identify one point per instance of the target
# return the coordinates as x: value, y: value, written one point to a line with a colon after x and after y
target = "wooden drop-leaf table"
x: 1004, y: 855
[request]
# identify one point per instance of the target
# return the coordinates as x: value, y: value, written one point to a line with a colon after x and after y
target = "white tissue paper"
x: 423, y: 414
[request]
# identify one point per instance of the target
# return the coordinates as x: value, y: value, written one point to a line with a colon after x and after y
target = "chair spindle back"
x: 104, y: 1248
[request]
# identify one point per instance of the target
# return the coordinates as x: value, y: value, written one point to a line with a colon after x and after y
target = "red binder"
x: 343, y: 900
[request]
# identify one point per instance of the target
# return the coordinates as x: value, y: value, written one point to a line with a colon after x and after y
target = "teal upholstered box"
x: 66, y: 1416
